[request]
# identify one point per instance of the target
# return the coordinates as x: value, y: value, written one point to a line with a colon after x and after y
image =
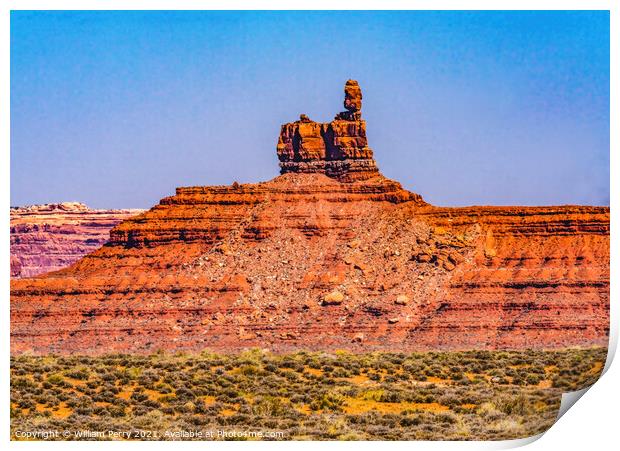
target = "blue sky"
x: 116, y: 109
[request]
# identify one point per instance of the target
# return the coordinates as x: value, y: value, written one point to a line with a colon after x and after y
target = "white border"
x: 593, y: 425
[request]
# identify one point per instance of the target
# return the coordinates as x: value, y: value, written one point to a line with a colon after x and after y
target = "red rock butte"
x: 328, y: 255
x: 338, y: 149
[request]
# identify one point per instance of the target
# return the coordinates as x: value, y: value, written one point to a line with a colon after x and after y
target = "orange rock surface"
x: 309, y: 261
x: 49, y: 237
x: 338, y: 149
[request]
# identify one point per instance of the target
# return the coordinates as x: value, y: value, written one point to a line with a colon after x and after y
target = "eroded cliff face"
x: 49, y: 237
x: 314, y: 260
x: 338, y: 149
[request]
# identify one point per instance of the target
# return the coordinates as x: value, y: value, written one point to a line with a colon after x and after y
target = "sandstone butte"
x: 328, y: 255
x: 49, y: 237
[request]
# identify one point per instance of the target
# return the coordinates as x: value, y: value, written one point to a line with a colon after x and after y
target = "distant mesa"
x: 338, y: 149
x: 49, y: 237
x: 49, y: 208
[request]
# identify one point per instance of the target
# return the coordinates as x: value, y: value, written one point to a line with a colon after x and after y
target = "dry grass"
x: 356, y: 406
x: 323, y: 396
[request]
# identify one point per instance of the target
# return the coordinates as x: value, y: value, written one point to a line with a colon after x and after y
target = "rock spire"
x: 338, y: 149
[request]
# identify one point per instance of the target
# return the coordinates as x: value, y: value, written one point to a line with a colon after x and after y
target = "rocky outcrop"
x: 353, y: 98
x: 49, y: 237
x: 315, y: 261
x: 338, y: 149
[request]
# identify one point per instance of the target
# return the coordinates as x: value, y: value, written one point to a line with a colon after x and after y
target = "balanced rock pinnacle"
x: 338, y: 149
x: 352, y: 96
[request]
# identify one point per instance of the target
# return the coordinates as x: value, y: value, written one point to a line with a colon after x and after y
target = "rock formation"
x: 49, y: 237
x: 320, y: 259
x: 338, y: 149
x: 353, y: 99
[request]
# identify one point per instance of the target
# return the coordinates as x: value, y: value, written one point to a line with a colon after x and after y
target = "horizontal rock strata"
x: 307, y: 262
x: 49, y: 237
x: 338, y: 149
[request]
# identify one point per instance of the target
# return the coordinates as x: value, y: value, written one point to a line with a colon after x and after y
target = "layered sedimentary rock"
x: 338, y: 149
x: 312, y: 261
x: 49, y: 237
